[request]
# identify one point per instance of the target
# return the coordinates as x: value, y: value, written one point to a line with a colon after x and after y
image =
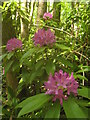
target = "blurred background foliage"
x: 30, y: 67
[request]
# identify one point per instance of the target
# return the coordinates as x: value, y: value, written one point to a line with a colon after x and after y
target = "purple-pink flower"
x: 44, y: 37
x: 61, y: 85
x: 13, y: 44
x: 47, y: 16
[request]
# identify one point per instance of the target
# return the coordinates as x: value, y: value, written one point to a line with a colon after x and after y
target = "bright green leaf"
x: 72, y: 109
x: 33, y: 103
x: 54, y: 111
x: 39, y: 64
x: 25, y: 75
x: 80, y: 77
x: 84, y: 92
x: 63, y: 47
x: 64, y: 61
x: 84, y: 70
x: 50, y: 67
x: 27, y: 54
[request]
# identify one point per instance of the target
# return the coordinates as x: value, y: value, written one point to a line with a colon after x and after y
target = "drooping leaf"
x: 80, y: 77
x: 40, y: 50
x: 84, y: 70
x: 28, y: 54
x: 54, y: 111
x: 10, y: 92
x: 33, y: 103
x: 7, y: 67
x: 10, y: 55
x: 50, y: 67
x: 63, y: 47
x: 25, y: 75
x: 72, y: 109
x: 64, y: 61
x: 82, y: 102
x: 39, y: 64
x: 84, y: 92
x: 2, y: 56
x: 15, y: 66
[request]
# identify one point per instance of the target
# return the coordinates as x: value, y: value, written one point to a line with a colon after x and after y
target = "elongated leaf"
x: 25, y: 75
x: 40, y: 50
x: 64, y: 61
x: 27, y: 54
x: 63, y: 47
x: 8, y: 66
x: 39, y: 64
x: 84, y: 70
x: 33, y: 103
x: 72, y: 109
x: 84, y: 92
x: 82, y: 102
x: 50, y: 67
x: 35, y: 74
x: 80, y: 77
x: 2, y: 56
x: 10, y: 55
x: 54, y: 111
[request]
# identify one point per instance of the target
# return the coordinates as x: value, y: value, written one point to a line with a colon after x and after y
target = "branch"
x: 56, y: 29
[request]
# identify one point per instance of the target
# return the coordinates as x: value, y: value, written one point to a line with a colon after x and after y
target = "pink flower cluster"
x: 47, y: 16
x: 13, y: 44
x: 43, y: 37
x: 61, y: 85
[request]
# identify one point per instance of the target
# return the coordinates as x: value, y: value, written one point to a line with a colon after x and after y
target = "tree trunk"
x: 42, y: 8
x: 56, y: 16
x: 8, y: 32
x: 56, y: 11
x: 24, y: 23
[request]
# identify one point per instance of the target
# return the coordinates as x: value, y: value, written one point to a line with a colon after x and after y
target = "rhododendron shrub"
x: 13, y: 44
x: 47, y: 71
x: 61, y: 85
x: 44, y: 37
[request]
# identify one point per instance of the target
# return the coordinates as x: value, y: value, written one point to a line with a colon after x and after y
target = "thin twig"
x: 82, y: 55
x: 76, y: 50
x: 56, y: 29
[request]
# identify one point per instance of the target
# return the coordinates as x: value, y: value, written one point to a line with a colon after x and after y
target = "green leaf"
x: 10, y: 55
x: 2, y: 56
x: 63, y: 47
x: 72, y: 109
x: 84, y: 92
x: 64, y: 61
x: 84, y: 70
x: 25, y: 75
x: 50, y: 67
x: 39, y: 64
x: 27, y: 54
x: 54, y: 111
x: 15, y: 66
x: 35, y: 74
x: 33, y: 103
x: 40, y: 50
x: 80, y: 77
x: 10, y: 91
x: 82, y: 102
x: 8, y: 66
